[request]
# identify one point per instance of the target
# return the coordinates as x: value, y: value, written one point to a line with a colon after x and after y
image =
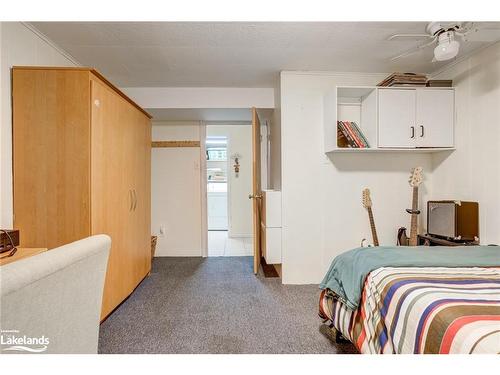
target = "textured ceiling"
x: 236, y: 54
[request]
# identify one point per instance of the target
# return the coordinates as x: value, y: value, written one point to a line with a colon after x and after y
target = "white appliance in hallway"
x: 217, y: 206
x: 216, y: 147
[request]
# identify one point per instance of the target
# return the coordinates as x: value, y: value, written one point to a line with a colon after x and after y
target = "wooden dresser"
x: 81, y: 163
x: 21, y: 253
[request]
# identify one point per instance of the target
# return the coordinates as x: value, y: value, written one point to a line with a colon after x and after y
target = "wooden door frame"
x: 203, y: 180
x: 256, y: 190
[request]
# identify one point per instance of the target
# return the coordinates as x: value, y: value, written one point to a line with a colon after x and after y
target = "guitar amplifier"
x: 453, y: 220
x: 6, y: 235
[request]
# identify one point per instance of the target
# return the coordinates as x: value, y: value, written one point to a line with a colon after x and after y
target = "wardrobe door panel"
x: 143, y: 188
x: 110, y: 199
x: 51, y: 156
x: 138, y: 129
x: 128, y: 126
x: 147, y: 191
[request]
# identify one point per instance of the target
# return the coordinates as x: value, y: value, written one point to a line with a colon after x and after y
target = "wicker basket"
x: 153, y: 247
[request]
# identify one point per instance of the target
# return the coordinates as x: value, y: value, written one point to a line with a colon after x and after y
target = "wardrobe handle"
x: 412, y: 132
x: 131, y: 196
x: 422, y: 130
x: 135, y: 200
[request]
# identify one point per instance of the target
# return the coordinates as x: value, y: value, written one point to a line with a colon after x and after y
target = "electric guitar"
x: 414, y: 181
x: 367, y: 203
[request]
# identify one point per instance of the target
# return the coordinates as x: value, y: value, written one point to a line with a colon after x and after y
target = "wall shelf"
x: 389, y: 150
x: 394, y: 125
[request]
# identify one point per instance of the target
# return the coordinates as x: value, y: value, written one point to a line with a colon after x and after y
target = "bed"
x: 415, y: 300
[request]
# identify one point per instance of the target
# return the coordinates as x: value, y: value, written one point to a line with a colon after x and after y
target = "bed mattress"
x: 421, y: 310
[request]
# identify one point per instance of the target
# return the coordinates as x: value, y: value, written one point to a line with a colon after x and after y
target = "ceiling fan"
x: 445, y: 35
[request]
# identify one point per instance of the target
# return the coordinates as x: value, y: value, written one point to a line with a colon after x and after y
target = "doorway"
x: 229, y: 181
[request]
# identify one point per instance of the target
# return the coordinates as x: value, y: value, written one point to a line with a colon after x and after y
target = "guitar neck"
x: 414, y: 218
x: 372, y: 226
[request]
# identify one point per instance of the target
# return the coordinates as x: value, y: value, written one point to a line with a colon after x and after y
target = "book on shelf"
x: 423, y: 84
x: 350, y: 135
x: 360, y: 134
x: 404, y: 79
x: 342, y: 141
x: 440, y: 83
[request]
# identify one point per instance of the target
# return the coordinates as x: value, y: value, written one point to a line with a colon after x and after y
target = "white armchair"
x: 51, y: 302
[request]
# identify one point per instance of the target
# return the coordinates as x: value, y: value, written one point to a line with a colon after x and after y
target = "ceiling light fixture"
x: 447, y: 47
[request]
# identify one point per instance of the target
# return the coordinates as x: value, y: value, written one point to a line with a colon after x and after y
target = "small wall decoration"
x: 236, y: 159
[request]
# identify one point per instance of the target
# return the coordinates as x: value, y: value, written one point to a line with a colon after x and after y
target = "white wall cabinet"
x: 411, y: 118
x: 271, y: 226
x: 396, y: 118
x: 272, y: 245
x: 392, y: 119
x: 434, y: 118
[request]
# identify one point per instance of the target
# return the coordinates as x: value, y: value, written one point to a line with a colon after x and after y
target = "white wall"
x: 264, y: 154
x: 4, y: 223
x: 472, y: 172
x: 321, y: 197
x: 176, y: 191
x: 201, y: 97
x: 275, y: 142
x: 19, y: 45
x: 240, y: 207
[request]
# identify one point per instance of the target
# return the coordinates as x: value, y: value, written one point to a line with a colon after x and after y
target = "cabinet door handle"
x: 421, y: 131
x: 412, y: 132
x: 131, y: 196
x: 135, y: 200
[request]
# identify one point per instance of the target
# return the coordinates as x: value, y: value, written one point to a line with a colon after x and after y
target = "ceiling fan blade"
x: 487, y: 34
x: 404, y: 54
x: 465, y: 27
x: 413, y: 50
x: 409, y: 36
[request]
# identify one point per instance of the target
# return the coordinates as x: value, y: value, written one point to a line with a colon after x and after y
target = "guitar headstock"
x: 367, y: 201
x: 415, y: 177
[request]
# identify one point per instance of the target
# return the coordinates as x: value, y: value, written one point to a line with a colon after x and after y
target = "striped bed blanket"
x: 421, y: 310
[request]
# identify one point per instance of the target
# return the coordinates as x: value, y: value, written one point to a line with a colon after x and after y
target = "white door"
x: 434, y: 118
x: 396, y: 118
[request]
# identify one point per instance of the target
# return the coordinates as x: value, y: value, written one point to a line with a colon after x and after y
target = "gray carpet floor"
x: 216, y: 305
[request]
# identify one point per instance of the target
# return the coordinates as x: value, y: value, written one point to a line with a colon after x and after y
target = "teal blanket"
x: 349, y: 270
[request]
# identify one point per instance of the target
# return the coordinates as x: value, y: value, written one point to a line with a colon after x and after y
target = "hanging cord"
x: 14, y: 249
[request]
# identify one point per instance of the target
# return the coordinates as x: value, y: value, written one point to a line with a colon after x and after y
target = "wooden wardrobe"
x: 81, y: 162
